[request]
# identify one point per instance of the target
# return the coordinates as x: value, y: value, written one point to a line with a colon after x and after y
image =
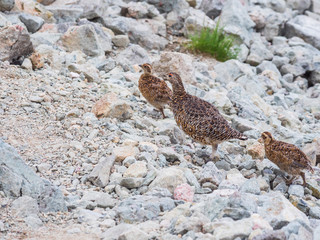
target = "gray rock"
x: 93, y: 9
x: 164, y: 6
x: 139, y: 32
x: 119, y: 25
x: 267, y: 65
x: 271, y: 234
x: 223, y: 165
x: 101, y: 173
x: 143, y: 35
x: 210, y: 173
x: 212, y: 8
x: 293, y: 69
x: 83, y: 38
x: 176, y: 62
x: 133, y: 234
x: 280, y: 61
x: 33, y: 221
x: 89, y: 217
x: 247, y: 109
x: 195, y: 20
x: 65, y: 14
x: 299, y: 229
x: 103, y: 200
x: 131, y: 182
x: 315, y: 6
x: 258, y: 52
x: 17, y: 179
x: 277, y: 210
x: 304, y: 27
x: 114, y: 232
x: 120, y: 40
x: 6, y: 5
x: 46, y: 2
x: 296, y: 190
x: 142, y: 208
x: 25, y: 206
x: 235, y: 20
x: 231, y: 70
x: 33, y: 23
x: 104, y: 37
x: 250, y: 186
x: 134, y: 54
x: 27, y: 64
x: 159, y: 192
x: 139, y: 10
x: 14, y: 43
x: 169, y: 178
x: 300, y: 5
x: 268, y: 21
x: 191, y: 178
x: 314, y: 212
x: 315, y: 76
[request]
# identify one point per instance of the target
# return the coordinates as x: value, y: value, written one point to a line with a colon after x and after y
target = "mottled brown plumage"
x: 286, y: 156
x: 198, y: 118
x: 154, y: 89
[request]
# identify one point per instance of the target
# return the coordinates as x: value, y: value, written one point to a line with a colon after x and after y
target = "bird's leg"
x: 161, y: 110
x: 290, y: 180
x: 303, y: 178
x: 214, y: 155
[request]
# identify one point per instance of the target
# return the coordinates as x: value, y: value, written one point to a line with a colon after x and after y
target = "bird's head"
x: 147, y: 68
x: 266, y: 137
x: 173, y: 78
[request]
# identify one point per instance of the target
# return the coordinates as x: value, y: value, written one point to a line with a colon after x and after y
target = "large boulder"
x: 83, y: 38
x: 304, y: 27
x: 176, y: 62
x: 14, y: 43
x: 18, y: 179
x: 235, y: 20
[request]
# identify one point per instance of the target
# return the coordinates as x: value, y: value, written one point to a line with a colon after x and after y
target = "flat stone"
x: 131, y: 182
x: 121, y: 40
x: 133, y: 234
x: 169, y: 178
x: 250, y: 186
x: 25, y: 206
x: 314, y: 212
x: 137, y: 170
x: 296, y: 190
x: 101, y: 172
x: 83, y: 38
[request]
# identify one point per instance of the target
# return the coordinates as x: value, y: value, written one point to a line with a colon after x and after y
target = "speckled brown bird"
x: 286, y: 156
x: 198, y: 118
x: 154, y: 89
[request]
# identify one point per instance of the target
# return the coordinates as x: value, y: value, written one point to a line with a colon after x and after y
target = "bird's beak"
x: 260, y: 140
x: 140, y: 66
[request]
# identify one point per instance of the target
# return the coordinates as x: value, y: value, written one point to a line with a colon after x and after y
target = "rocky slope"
x: 82, y: 155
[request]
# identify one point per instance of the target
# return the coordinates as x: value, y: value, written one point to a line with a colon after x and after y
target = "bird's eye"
x: 170, y: 74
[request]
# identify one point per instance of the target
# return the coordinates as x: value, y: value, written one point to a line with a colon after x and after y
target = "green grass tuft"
x: 215, y: 42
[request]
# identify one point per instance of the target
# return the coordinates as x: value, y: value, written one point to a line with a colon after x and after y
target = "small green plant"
x: 215, y: 42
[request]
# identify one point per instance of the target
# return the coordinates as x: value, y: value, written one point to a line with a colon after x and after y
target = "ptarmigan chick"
x: 286, y: 156
x: 198, y: 118
x: 154, y: 89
